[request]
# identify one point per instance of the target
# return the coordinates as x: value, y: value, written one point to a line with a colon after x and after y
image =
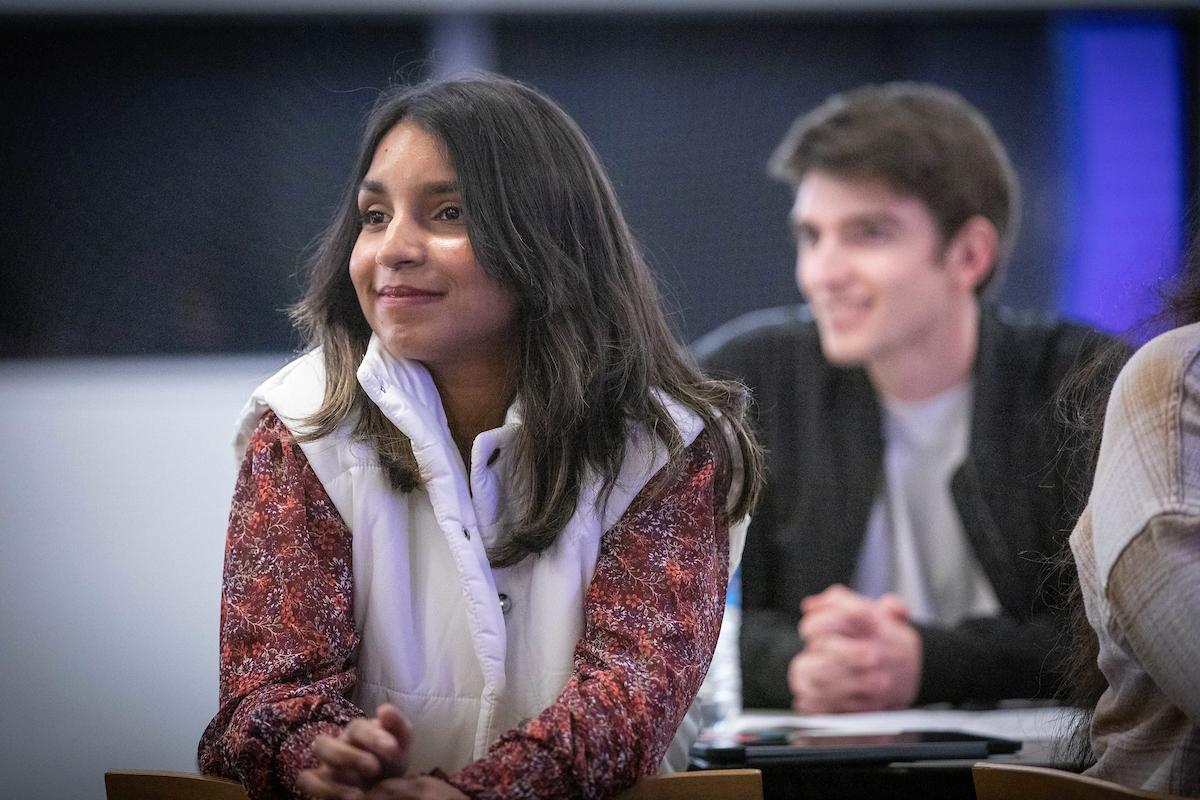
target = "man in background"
x: 915, y: 481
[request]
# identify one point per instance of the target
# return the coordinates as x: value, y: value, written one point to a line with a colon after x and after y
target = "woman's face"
x: 418, y: 283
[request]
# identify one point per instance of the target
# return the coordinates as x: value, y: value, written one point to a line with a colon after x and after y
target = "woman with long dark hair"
x: 482, y: 531
x: 1137, y: 552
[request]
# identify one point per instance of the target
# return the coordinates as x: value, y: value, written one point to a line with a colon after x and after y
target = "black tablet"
x: 765, y: 746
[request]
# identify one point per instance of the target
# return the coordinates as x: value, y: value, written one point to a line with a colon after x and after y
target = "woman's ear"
x: 972, y: 253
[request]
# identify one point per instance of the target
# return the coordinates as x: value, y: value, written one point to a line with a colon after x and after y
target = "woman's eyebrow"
x: 432, y: 187
x: 440, y: 187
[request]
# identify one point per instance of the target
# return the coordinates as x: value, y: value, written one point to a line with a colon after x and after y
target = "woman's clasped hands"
x: 368, y: 761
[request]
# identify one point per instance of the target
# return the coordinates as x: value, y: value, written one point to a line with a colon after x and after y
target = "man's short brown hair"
x: 919, y: 140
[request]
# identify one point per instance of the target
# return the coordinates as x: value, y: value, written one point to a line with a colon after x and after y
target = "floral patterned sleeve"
x: 287, y: 621
x: 653, y: 611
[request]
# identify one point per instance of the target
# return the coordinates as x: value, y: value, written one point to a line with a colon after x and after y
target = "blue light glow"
x: 1123, y: 149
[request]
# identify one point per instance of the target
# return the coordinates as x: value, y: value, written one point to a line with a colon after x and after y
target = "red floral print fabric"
x: 653, y: 611
x: 287, y: 621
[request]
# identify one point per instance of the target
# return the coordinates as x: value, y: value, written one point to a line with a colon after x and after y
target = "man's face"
x: 870, y: 263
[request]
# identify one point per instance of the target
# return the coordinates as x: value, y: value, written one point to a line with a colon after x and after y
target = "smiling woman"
x: 483, y: 528
x: 420, y: 287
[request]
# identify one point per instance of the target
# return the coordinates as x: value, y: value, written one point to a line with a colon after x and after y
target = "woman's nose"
x: 403, y: 244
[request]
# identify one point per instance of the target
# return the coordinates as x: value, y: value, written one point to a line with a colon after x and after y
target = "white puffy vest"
x: 436, y: 641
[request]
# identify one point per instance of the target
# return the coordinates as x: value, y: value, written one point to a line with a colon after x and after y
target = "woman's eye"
x: 372, y: 217
x: 450, y: 214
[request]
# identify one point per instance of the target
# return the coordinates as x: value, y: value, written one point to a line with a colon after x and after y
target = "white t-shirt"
x: 915, y: 545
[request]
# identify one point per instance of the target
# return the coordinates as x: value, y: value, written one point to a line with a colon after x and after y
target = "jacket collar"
x: 406, y: 394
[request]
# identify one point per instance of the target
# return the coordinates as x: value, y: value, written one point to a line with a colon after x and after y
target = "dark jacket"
x: 1017, y: 493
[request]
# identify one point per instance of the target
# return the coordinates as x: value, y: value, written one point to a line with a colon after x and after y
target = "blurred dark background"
x: 164, y: 174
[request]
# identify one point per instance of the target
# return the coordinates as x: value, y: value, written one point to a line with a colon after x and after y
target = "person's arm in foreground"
x: 287, y: 626
x: 1154, y: 590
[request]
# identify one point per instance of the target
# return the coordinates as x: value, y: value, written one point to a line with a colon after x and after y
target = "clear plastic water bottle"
x: 721, y: 692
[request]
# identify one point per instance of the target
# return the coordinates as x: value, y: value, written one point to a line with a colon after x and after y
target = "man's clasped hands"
x: 859, y: 654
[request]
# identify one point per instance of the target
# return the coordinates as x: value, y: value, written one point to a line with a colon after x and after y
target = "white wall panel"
x: 115, y: 481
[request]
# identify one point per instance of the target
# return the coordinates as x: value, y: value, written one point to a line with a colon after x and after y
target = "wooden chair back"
x: 120, y: 784
x: 1017, y: 782
x: 717, y: 784
x: 729, y: 784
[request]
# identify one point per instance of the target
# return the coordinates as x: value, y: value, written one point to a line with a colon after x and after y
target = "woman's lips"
x: 406, y: 295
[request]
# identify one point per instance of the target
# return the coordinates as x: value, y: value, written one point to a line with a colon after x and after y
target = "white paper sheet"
x: 1026, y: 724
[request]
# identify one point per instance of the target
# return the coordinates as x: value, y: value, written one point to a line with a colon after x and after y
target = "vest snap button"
x: 467, y: 534
x: 492, y: 458
x: 505, y: 603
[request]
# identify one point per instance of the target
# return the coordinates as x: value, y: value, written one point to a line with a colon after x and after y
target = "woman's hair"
x: 1082, y: 402
x: 543, y: 221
